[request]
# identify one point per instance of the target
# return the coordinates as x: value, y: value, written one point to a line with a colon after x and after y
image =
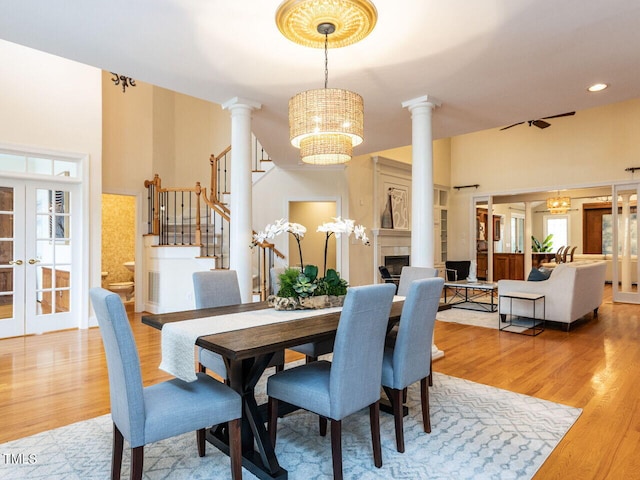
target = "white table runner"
x: 179, y: 338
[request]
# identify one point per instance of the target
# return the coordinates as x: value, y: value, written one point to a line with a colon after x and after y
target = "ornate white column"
x: 422, y: 239
x: 422, y: 236
x: 240, y: 203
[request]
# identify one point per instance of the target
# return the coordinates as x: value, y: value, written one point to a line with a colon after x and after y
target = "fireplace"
x: 394, y: 263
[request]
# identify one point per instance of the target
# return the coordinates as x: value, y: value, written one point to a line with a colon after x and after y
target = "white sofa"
x: 573, y: 290
x: 607, y: 259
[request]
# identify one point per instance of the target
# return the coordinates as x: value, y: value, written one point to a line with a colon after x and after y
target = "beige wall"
x: 118, y: 237
x: 127, y: 133
x: 591, y: 148
x: 53, y: 104
x: 150, y: 130
x: 311, y: 215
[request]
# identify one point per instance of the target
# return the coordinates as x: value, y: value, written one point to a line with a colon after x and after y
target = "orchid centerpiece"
x: 301, y: 284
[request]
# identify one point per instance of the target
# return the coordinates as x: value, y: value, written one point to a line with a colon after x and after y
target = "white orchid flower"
x: 297, y: 229
x: 358, y: 231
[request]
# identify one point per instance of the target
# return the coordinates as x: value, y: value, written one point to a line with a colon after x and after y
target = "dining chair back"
x: 572, y: 253
x: 145, y: 415
x: 219, y: 288
x: 409, y: 274
x: 410, y: 358
x: 336, y: 389
x: 216, y: 288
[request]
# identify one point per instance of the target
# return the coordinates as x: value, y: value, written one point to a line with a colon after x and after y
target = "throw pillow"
x: 538, y: 275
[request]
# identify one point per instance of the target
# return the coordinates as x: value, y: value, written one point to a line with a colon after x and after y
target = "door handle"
x: 16, y: 262
x: 32, y: 261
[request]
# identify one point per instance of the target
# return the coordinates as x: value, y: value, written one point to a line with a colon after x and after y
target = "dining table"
x: 247, y: 352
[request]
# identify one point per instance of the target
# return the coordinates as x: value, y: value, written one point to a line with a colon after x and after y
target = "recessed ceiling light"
x: 597, y: 87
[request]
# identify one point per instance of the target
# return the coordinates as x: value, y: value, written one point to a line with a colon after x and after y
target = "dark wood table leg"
x: 260, y: 460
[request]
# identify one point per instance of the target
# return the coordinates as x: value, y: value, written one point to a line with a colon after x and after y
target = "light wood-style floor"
x: 59, y: 378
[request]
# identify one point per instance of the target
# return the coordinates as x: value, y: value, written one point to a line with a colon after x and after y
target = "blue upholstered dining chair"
x: 145, y: 415
x: 410, y: 359
x: 335, y: 390
x: 219, y: 288
x: 407, y: 276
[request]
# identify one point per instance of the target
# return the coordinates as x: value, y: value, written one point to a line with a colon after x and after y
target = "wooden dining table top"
x: 263, y: 339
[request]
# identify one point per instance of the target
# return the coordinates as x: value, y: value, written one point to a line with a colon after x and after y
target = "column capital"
x: 239, y: 102
x: 423, y: 101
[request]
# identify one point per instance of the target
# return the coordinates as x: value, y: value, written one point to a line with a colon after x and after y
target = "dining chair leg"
x: 405, y: 392
x: 202, y: 368
x: 200, y: 440
x: 424, y: 398
x: 336, y: 448
x: 310, y: 359
x: 395, y: 398
x: 374, y: 418
x: 116, y: 455
x: 137, y: 461
x: 280, y: 367
x: 272, y: 419
x: 235, y: 449
x: 430, y: 372
x: 322, y: 425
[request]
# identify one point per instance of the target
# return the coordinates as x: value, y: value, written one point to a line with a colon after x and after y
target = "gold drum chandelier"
x: 558, y: 205
x: 325, y: 124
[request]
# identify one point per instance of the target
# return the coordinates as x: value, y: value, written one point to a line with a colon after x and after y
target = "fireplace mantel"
x: 389, y: 242
x: 390, y: 232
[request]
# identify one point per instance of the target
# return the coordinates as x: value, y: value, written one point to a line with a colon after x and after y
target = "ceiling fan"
x: 540, y: 123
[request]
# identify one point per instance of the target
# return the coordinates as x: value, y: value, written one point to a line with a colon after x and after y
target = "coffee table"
x: 471, y: 295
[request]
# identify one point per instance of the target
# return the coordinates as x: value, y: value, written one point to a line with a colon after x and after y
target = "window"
x: 558, y: 225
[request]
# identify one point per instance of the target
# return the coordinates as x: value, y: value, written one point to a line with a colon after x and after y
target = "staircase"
x: 191, y: 217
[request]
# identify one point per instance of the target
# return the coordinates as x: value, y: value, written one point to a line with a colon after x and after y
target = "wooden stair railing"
x: 207, y: 222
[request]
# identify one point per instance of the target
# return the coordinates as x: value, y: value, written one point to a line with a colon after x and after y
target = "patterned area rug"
x: 478, y: 432
x: 469, y: 317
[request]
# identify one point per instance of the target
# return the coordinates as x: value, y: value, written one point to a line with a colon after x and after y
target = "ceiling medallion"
x: 298, y: 21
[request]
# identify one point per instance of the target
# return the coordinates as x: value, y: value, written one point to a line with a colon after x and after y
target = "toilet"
x: 124, y: 289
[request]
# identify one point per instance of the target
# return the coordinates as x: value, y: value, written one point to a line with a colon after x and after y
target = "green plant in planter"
x: 287, y: 281
x: 332, y: 284
x: 304, y: 287
x: 545, y: 246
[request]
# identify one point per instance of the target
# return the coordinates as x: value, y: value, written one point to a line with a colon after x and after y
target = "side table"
x: 518, y: 324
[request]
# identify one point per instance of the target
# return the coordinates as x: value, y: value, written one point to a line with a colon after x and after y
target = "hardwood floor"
x: 51, y: 380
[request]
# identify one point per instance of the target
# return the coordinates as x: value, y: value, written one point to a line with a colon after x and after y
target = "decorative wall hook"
x: 126, y: 81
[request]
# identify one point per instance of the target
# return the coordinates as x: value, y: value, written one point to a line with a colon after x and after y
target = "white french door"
x: 620, y: 238
x: 38, y: 273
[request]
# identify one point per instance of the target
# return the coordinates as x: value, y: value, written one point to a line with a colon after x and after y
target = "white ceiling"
x: 490, y: 62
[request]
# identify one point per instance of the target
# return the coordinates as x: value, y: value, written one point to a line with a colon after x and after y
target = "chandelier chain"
x: 326, y: 59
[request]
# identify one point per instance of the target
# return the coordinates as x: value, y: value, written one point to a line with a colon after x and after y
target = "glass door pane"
x: 53, y: 251
x: 50, y: 240
x: 11, y: 259
x: 620, y: 240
